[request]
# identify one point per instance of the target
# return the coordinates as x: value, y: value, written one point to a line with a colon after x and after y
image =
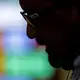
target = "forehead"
x: 35, y: 5
x: 39, y: 5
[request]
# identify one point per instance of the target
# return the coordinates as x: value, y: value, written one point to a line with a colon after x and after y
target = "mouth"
x: 40, y: 42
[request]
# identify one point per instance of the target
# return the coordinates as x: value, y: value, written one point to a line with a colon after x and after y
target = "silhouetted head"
x: 54, y: 24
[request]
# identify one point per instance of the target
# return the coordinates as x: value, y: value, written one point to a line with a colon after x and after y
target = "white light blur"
x: 10, y: 17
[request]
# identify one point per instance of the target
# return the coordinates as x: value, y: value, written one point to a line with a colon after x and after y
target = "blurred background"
x: 21, y: 58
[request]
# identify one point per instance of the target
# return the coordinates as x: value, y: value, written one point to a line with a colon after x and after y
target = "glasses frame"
x: 30, y: 18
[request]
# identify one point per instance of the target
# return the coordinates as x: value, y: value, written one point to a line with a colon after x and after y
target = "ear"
x: 31, y: 32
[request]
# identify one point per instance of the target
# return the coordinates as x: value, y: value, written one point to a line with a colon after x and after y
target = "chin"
x: 57, y: 60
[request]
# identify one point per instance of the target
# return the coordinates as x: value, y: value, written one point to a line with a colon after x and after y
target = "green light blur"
x: 33, y: 65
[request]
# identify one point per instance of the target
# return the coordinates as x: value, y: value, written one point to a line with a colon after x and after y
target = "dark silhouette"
x: 55, y: 24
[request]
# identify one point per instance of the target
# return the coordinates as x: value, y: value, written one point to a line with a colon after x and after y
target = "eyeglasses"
x: 33, y: 17
x: 30, y: 18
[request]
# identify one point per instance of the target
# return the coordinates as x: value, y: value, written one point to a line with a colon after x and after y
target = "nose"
x: 31, y: 33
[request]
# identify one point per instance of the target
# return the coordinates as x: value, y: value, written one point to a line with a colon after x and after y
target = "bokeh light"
x: 21, y: 58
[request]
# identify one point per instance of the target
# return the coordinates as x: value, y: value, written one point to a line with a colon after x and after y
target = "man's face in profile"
x: 55, y: 30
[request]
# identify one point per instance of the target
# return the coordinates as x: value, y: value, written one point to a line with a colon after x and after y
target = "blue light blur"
x: 17, y: 43
x: 15, y: 78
